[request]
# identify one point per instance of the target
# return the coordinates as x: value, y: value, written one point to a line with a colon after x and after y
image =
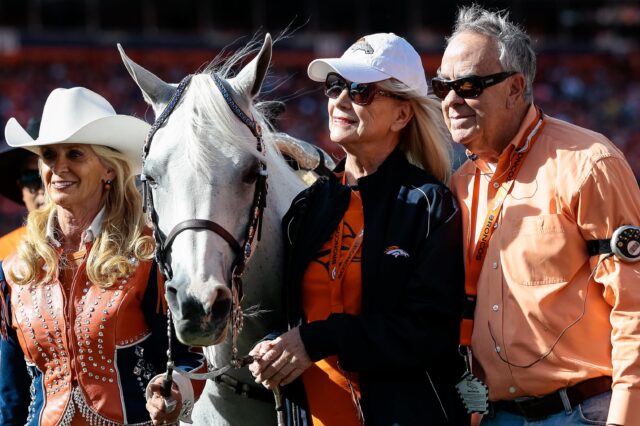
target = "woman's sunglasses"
x: 467, y: 87
x: 359, y: 93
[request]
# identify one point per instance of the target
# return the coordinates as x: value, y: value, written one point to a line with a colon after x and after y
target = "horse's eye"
x: 251, y: 174
x: 150, y: 180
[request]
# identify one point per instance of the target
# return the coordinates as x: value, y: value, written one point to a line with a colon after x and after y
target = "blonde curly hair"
x: 121, y: 240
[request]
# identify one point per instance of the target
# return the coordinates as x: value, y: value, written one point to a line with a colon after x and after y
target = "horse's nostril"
x: 221, y: 308
x: 172, y: 290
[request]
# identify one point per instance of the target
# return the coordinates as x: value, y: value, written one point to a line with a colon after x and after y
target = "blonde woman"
x: 374, y: 281
x: 83, y: 326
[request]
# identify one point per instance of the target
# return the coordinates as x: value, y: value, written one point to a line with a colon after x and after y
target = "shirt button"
x: 496, y: 185
x: 495, y: 225
x: 512, y: 389
x: 494, y: 265
x: 495, y: 308
x: 498, y: 349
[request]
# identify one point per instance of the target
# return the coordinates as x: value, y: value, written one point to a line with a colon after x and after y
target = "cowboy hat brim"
x: 123, y: 133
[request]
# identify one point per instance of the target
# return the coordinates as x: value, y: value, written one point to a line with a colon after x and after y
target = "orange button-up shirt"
x: 535, y: 290
x: 9, y: 242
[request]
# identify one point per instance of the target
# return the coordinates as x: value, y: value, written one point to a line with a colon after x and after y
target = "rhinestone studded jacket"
x: 89, y: 352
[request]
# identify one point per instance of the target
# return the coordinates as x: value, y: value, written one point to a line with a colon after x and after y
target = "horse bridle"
x: 254, y: 226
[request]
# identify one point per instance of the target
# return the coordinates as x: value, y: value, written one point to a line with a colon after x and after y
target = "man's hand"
x: 280, y: 361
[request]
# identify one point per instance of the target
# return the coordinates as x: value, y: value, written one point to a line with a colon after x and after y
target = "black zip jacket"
x: 404, y: 343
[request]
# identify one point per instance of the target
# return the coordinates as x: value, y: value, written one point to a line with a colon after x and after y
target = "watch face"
x: 633, y: 247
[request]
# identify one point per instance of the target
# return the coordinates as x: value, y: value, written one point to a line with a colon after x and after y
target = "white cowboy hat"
x: 78, y: 115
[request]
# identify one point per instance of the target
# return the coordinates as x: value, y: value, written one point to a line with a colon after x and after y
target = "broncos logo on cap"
x: 396, y: 252
x: 362, y: 45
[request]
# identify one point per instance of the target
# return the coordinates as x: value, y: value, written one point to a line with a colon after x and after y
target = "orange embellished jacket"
x: 89, y: 351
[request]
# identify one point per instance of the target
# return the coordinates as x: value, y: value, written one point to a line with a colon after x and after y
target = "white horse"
x: 203, y: 162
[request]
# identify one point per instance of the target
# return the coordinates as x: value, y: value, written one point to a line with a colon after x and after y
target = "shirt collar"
x: 529, y: 118
x: 88, y: 235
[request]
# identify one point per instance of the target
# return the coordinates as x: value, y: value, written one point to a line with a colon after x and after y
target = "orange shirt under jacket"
x: 10, y: 241
x: 574, y: 186
x: 326, y: 386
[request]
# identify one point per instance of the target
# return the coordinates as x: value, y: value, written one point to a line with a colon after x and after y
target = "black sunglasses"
x: 467, y: 87
x: 30, y: 179
x: 359, y: 93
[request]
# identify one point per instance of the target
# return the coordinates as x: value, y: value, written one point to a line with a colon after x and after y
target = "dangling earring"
x: 107, y: 184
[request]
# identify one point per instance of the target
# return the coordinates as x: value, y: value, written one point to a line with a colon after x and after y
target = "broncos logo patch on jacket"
x: 395, y: 251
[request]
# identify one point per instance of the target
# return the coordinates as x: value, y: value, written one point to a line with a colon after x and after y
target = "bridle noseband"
x: 254, y: 226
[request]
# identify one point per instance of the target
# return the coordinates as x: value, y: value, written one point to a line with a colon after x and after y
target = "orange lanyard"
x: 504, y: 182
x: 338, y: 267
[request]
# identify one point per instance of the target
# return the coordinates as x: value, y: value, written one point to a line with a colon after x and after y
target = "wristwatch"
x: 624, y: 244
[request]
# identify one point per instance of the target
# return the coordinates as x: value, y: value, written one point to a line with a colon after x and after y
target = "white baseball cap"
x: 375, y: 57
x: 78, y: 115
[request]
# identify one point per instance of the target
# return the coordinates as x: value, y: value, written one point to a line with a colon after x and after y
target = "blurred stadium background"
x: 588, y: 53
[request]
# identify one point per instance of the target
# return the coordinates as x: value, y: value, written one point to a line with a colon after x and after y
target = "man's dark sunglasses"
x: 30, y: 179
x: 359, y: 93
x: 467, y: 87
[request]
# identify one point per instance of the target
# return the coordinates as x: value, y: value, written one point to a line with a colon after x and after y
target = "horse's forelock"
x: 213, y: 127
x: 209, y: 115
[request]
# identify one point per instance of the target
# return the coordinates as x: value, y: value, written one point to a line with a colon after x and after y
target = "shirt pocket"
x: 543, y: 249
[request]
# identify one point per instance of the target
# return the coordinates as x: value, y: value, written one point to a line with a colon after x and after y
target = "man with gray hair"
x: 550, y: 214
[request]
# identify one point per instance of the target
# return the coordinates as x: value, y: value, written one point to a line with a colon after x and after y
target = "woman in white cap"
x: 83, y: 323
x: 374, y: 274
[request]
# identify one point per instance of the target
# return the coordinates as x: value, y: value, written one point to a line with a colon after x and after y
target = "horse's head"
x: 203, y: 163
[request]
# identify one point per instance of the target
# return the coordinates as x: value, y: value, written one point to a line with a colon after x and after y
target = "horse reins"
x: 242, y: 252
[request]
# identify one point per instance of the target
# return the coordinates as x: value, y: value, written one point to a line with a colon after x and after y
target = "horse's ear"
x: 249, y: 79
x: 156, y: 92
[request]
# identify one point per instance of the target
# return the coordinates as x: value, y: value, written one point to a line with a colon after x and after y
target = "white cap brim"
x: 350, y: 70
x: 120, y: 132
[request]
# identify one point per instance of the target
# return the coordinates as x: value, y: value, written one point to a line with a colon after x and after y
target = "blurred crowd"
x: 597, y: 91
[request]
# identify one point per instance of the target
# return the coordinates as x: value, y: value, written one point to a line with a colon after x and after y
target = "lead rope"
x: 277, y: 395
x: 167, y: 381
x: 237, y: 318
x: 354, y: 395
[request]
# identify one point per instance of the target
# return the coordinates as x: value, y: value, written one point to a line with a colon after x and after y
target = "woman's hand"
x: 157, y: 407
x: 280, y: 361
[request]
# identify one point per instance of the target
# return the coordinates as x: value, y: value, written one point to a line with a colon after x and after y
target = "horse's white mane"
x: 226, y: 65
